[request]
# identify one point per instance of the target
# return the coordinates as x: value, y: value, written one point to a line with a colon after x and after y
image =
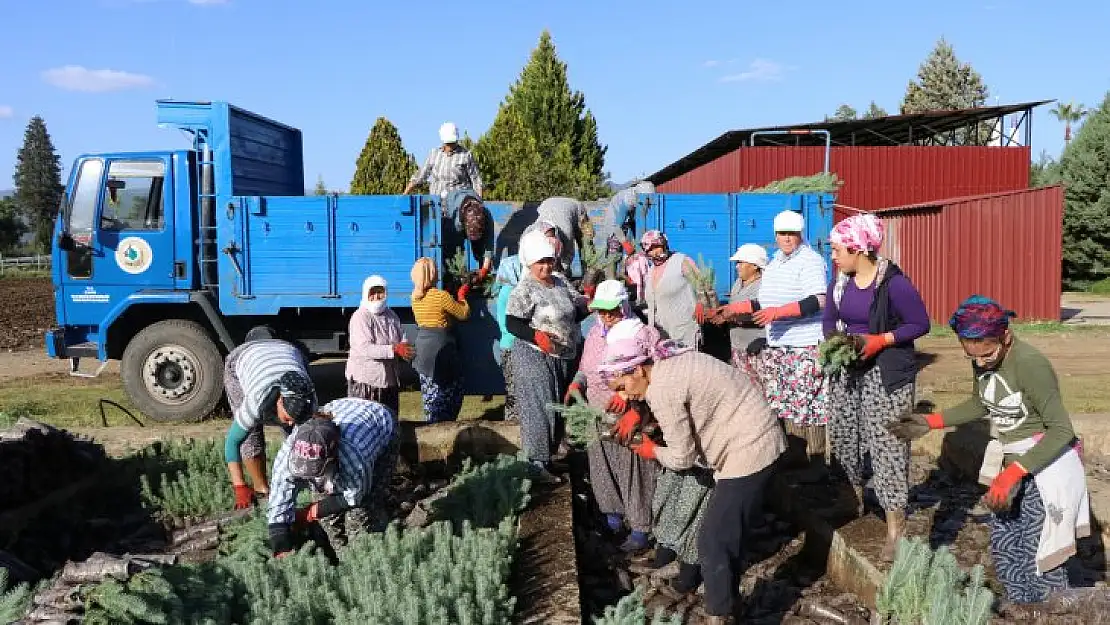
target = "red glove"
x: 464, y: 290
x: 617, y: 405
x: 543, y: 341
x: 628, y: 247
x: 1003, y: 488
x: 645, y: 450
x: 483, y: 273
x: 307, y: 514
x: 935, y: 421
x: 743, y: 307
x: 403, y: 350
x: 282, y: 554
x: 244, y: 496
x: 875, y: 343
x: 699, y: 313
x: 627, y: 423
x: 569, y: 396
x: 764, y: 316
x: 589, y: 290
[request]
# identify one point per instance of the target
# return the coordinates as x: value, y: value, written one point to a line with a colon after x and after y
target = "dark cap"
x: 298, y: 395
x: 315, y: 446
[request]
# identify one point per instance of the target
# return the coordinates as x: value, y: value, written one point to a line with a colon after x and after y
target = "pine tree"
x: 1085, y: 168
x: 874, y: 111
x: 945, y: 83
x: 383, y: 167
x: 843, y: 113
x: 38, y: 182
x: 321, y: 188
x: 549, y: 132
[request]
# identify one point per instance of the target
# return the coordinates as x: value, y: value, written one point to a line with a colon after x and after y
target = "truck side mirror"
x: 65, y: 242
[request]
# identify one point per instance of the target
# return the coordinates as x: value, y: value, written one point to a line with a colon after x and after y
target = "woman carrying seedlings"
x: 622, y: 482
x: 791, y: 295
x: 376, y: 344
x: 437, y: 355
x: 1033, y: 465
x: 872, y: 299
x: 745, y: 336
x: 710, y: 412
x: 543, y: 313
x: 672, y: 301
x: 508, y: 275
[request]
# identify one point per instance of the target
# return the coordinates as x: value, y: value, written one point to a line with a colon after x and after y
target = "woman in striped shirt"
x: 437, y: 356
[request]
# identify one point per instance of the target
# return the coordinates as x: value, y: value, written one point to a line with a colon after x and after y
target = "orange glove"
x: 282, y: 554
x: 628, y: 247
x: 569, y: 396
x: 244, y: 496
x: 483, y: 273
x: 743, y: 307
x: 699, y: 313
x: 617, y: 405
x: 403, y: 350
x: 589, y: 291
x: 307, y: 514
x: 464, y: 290
x: 875, y: 343
x: 1000, y: 496
x: 626, y: 424
x: 765, y: 316
x: 543, y: 341
x: 935, y: 421
x: 645, y: 450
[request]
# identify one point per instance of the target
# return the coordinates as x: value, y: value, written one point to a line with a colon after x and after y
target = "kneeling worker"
x: 339, y: 453
x: 266, y: 382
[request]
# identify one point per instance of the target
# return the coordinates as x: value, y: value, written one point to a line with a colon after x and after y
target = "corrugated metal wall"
x: 1005, y: 246
x: 874, y: 177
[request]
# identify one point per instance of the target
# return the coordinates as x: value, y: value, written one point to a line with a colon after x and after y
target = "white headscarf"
x: 374, y: 306
x: 534, y: 246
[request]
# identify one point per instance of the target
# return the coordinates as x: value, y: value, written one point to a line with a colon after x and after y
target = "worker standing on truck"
x: 575, y: 229
x: 338, y: 452
x: 266, y: 381
x: 437, y: 353
x: 708, y: 412
x: 447, y: 167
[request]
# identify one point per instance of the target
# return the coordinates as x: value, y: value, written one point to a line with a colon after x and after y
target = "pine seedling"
x: 817, y: 183
x: 837, y: 353
x: 583, y: 422
x: 14, y: 601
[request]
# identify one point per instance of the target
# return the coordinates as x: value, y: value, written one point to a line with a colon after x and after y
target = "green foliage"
x: 817, y: 183
x: 630, y: 610
x: 383, y: 166
x: 845, y: 112
x: 1044, y: 172
x: 945, y: 83
x: 14, y: 601
x: 12, y: 227
x: 705, y: 279
x: 483, y: 495
x: 454, y: 268
x: 837, y: 353
x: 321, y: 188
x: 1085, y: 167
x: 929, y: 588
x: 1102, y: 287
x: 582, y: 420
x: 38, y: 181
x: 543, y: 141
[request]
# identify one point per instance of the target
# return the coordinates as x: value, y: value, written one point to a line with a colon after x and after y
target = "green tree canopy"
x: 1085, y: 169
x: 11, y: 226
x: 548, y: 131
x: 874, y: 111
x: 946, y: 83
x: 383, y: 166
x: 321, y: 188
x: 38, y: 182
x: 843, y: 113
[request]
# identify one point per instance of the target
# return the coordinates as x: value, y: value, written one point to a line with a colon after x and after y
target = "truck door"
x: 120, y: 218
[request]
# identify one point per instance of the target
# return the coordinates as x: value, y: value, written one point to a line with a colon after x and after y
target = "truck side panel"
x: 266, y: 157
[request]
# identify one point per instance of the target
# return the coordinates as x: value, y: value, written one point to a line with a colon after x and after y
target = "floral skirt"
x: 749, y: 364
x: 793, y: 384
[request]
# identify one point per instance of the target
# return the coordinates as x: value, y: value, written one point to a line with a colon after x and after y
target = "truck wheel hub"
x: 170, y: 373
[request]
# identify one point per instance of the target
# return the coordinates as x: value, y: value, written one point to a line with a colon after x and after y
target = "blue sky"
x: 661, y: 77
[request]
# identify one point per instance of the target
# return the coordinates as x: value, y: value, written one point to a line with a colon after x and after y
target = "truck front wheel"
x: 172, y: 371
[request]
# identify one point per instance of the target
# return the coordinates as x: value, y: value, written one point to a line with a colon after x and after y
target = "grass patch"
x: 1102, y: 287
x: 1031, y: 328
x: 1083, y: 394
x: 21, y: 274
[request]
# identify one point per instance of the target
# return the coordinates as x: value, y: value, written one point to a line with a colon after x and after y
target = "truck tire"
x: 173, y: 372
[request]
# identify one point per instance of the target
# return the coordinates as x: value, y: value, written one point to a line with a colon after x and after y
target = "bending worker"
x: 447, y: 167
x: 266, y: 381
x: 338, y: 452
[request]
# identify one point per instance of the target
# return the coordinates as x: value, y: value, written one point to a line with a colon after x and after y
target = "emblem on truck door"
x: 134, y: 255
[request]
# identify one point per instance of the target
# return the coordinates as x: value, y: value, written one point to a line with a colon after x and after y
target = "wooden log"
x: 95, y: 568
x: 201, y: 543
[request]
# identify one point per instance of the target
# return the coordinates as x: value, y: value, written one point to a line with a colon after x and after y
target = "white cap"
x: 369, y: 283
x: 535, y: 246
x: 789, y: 221
x: 751, y: 253
x: 609, y: 295
x: 448, y: 133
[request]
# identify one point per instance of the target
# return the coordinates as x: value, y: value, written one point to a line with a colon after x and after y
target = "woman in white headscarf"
x: 376, y: 344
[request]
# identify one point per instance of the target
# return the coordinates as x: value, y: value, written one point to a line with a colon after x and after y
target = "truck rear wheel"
x: 173, y: 371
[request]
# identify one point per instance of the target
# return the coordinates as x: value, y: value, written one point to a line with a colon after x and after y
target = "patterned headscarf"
x: 653, y: 238
x: 628, y: 349
x: 980, y: 317
x: 424, y: 277
x: 862, y: 233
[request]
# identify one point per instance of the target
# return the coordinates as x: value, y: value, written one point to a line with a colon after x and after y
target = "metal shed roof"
x: 892, y: 130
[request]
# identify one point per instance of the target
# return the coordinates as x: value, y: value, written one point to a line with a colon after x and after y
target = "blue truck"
x: 166, y: 261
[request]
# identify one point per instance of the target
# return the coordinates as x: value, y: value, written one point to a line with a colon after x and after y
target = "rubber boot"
x: 256, y: 469
x: 895, y: 525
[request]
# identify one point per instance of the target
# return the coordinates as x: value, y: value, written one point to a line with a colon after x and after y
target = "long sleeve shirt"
x: 791, y: 279
x: 365, y: 429
x: 706, y: 407
x: 258, y: 366
x: 371, y: 359
x: 1021, y: 398
x: 855, y: 309
x: 553, y: 308
x: 437, y: 308
x: 446, y: 172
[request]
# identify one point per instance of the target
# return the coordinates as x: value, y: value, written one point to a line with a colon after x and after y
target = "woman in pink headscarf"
x: 872, y: 299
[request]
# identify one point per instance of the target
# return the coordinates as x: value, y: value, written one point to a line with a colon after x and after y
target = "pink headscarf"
x: 653, y: 238
x: 637, y: 267
x: 631, y: 343
x: 862, y: 233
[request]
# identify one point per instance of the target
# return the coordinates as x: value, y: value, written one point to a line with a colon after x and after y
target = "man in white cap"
x: 448, y: 167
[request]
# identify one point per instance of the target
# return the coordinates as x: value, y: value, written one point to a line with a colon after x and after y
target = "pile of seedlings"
x: 817, y: 183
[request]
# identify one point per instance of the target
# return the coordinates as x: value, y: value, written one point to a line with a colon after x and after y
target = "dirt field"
x: 26, y: 313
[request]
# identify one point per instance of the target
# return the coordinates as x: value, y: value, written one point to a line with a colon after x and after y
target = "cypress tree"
x: 383, y: 167
x: 1085, y: 168
x: 38, y: 182
x: 321, y: 188
x: 945, y: 83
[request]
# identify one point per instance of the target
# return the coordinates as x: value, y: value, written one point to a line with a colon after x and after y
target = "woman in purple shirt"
x: 872, y: 298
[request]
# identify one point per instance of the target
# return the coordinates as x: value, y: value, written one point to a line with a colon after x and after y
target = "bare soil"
x: 26, y: 313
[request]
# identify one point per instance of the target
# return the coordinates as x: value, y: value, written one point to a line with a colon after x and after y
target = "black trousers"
x: 721, y: 539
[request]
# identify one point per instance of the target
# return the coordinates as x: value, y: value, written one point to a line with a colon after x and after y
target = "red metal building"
x: 888, y: 161
x: 1003, y: 245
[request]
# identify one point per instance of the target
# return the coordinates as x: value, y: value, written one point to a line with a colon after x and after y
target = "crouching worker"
x: 707, y: 410
x: 266, y: 382
x: 1033, y: 465
x: 338, y: 454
